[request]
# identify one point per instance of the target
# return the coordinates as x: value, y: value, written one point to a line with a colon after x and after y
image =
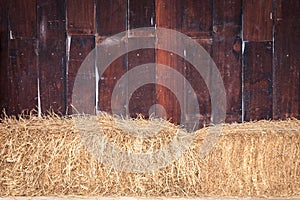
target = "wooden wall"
x: 255, y: 45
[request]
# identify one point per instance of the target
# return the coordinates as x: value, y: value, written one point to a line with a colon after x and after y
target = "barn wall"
x: 255, y: 45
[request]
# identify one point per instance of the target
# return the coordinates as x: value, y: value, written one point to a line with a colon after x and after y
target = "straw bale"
x: 45, y: 156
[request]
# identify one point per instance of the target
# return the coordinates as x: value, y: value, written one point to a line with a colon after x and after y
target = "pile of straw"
x: 45, y: 156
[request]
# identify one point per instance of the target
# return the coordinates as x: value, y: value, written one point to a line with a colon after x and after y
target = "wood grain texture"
x: 227, y: 53
x: 22, y: 16
x: 144, y: 97
x: 22, y: 74
x: 111, y: 16
x: 258, y: 80
x: 197, y: 17
x: 80, y: 47
x: 4, y: 79
x: 287, y: 60
x: 197, y: 23
x: 141, y: 13
x: 169, y: 13
x: 81, y: 17
x: 199, y: 85
x: 108, y: 81
x: 21, y: 67
x: 257, y: 19
x: 52, y: 54
x: 168, y: 16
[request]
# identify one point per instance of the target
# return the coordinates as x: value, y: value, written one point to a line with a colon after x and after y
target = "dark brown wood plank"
x: 197, y: 17
x: 287, y: 60
x: 199, y: 86
x: 4, y: 78
x: 141, y: 13
x: 227, y: 53
x: 21, y: 68
x: 168, y: 15
x: 197, y: 23
x: 52, y: 54
x: 258, y: 80
x: 257, y: 19
x: 107, y: 83
x: 144, y: 97
x: 22, y: 18
x: 111, y: 16
x: 81, y: 17
x: 80, y: 47
x: 22, y: 73
x: 227, y: 12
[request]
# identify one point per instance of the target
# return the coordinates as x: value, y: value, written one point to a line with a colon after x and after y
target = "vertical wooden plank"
x: 287, y: 60
x: 22, y: 19
x: 141, y: 14
x: 197, y: 23
x: 21, y: 67
x: 198, y: 84
x: 197, y: 17
x: 257, y: 19
x: 4, y: 79
x: 227, y: 53
x: 111, y: 16
x: 258, y: 80
x: 168, y: 15
x: 80, y: 17
x: 22, y: 76
x: 80, y: 47
x: 52, y: 54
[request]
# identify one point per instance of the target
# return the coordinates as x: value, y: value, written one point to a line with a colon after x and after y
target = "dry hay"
x: 44, y: 156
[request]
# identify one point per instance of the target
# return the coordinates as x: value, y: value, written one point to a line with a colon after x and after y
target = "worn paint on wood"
x: 287, y: 60
x: 258, y: 80
x: 257, y: 19
x: 227, y: 53
x: 81, y: 17
x: 52, y: 54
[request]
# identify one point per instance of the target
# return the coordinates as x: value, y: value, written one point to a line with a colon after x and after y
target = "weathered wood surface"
x: 47, y: 40
x: 258, y: 80
x: 52, y: 54
x: 81, y: 17
x: 4, y: 79
x: 21, y: 68
x: 257, y: 20
x: 286, y: 99
x: 227, y: 53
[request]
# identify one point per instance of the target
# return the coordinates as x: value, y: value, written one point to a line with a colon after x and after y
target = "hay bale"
x: 44, y: 156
